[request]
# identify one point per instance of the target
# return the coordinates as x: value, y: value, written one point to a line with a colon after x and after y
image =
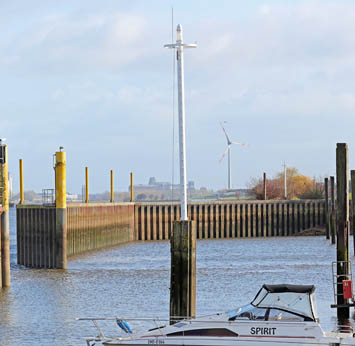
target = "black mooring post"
x: 353, y: 205
x: 327, y: 214
x: 183, y: 271
x: 333, y: 213
x: 342, y: 175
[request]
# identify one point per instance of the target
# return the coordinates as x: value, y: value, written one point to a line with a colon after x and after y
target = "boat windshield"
x: 287, y: 300
x: 249, y: 312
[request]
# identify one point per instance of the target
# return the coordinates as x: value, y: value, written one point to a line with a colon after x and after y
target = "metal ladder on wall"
x: 335, y: 279
x: 48, y: 197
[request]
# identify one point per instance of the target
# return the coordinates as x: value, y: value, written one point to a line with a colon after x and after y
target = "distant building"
x: 153, y: 184
x: 241, y: 193
x: 73, y: 197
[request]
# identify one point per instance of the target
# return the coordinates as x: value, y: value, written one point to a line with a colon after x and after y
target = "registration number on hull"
x: 156, y: 342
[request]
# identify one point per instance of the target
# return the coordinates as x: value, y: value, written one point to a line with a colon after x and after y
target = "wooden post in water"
x: 4, y: 218
x: 327, y: 214
x: 353, y: 204
x: 342, y: 175
x: 333, y: 212
x: 183, y: 271
x: 265, y: 195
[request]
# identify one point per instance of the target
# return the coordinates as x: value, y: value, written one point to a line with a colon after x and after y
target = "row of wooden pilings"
x: 40, y: 238
x: 231, y: 219
x: 94, y: 226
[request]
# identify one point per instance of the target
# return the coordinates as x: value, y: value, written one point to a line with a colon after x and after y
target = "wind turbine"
x: 229, y: 144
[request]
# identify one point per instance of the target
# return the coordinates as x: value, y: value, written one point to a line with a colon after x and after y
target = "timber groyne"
x: 91, y: 226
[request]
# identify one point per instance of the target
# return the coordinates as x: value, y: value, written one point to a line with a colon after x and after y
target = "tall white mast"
x: 179, y: 46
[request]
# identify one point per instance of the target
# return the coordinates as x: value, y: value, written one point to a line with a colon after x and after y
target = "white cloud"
x: 70, y: 42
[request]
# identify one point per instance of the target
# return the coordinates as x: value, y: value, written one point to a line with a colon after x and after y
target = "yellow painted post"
x: 86, y: 185
x: 22, y: 196
x: 131, y: 187
x: 5, y: 229
x: 112, y: 195
x: 61, y: 210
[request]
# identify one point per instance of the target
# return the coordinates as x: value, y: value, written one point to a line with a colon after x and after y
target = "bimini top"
x: 290, y: 288
x: 297, y: 299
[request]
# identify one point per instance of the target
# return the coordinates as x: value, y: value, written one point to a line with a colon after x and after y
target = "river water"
x: 133, y: 280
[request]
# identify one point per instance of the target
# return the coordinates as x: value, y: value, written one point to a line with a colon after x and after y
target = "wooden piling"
x: 233, y: 221
x: 342, y: 176
x: 298, y: 228
x: 283, y: 220
x: 293, y: 219
x: 183, y: 271
x: 216, y: 223
x: 333, y: 212
x: 148, y: 223
x: 228, y: 221
x: 248, y: 221
x: 160, y: 222
x: 353, y: 205
x: 154, y: 222
x: 264, y: 190
x: 272, y: 233
x: 1, y: 210
x: 262, y: 220
x: 327, y: 213
x: 165, y: 222
x: 257, y: 220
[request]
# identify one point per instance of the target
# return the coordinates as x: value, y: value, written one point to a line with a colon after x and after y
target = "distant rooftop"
x: 153, y: 184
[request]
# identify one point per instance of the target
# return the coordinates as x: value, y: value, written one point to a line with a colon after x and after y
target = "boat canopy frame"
x: 296, y: 299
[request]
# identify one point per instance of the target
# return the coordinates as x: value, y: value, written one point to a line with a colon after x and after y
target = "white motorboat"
x: 278, y: 315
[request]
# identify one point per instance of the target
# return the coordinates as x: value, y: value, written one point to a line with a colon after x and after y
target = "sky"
x: 94, y: 78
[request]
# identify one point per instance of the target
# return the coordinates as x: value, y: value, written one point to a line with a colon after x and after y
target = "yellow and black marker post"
x: 112, y: 193
x: 61, y: 210
x: 5, y: 229
x: 86, y: 185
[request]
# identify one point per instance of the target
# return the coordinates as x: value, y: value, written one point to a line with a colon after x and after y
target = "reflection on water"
x: 133, y: 280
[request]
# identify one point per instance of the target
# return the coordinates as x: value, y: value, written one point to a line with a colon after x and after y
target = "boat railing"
x: 138, y: 325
